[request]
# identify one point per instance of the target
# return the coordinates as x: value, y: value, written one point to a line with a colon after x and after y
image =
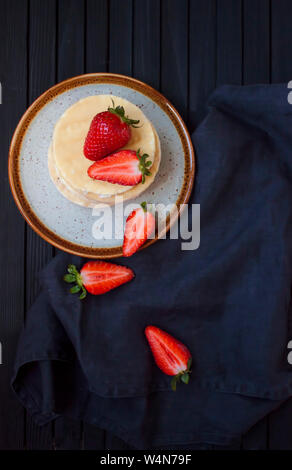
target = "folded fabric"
x: 229, y: 301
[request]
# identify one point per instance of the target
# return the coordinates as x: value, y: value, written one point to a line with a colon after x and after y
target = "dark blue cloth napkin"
x: 229, y: 301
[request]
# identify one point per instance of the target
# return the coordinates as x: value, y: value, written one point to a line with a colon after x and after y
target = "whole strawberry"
x: 109, y: 131
x: 170, y: 355
x: 97, y: 277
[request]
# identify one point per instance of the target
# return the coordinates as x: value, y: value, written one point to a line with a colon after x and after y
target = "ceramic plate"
x: 64, y: 224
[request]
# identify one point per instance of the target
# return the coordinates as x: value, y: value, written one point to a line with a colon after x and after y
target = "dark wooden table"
x: 183, y: 48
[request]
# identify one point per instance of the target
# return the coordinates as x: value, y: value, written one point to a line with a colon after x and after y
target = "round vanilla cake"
x: 68, y: 165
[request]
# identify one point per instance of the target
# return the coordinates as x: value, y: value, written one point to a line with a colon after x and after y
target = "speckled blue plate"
x: 64, y: 224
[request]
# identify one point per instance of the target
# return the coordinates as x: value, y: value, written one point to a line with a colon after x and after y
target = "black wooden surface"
x: 185, y: 48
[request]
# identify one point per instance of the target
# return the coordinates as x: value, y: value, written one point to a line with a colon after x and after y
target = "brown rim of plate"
x: 74, y: 82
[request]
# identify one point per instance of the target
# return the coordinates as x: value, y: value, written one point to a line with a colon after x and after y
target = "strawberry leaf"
x: 120, y: 111
x: 144, y: 206
x: 74, y: 276
x: 185, y: 378
x: 72, y: 269
x: 143, y: 164
x: 69, y: 278
x: 83, y: 294
x: 75, y: 289
x: 173, y: 383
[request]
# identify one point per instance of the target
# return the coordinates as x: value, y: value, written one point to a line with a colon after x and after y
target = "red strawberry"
x: 109, y: 131
x: 125, y: 167
x: 140, y: 225
x: 171, y: 356
x: 97, y: 277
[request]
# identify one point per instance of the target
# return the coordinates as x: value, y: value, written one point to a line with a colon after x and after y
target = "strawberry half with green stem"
x: 140, y: 225
x: 109, y: 131
x: 97, y: 277
x: 125, y: 167
x: 170, y: 355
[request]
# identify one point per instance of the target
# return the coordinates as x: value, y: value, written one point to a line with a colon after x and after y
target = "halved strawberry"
x: 97, y: 277
x: 171, y: 356
x: 140, y: 224
x: 125, y: 167
x: 109, y: 131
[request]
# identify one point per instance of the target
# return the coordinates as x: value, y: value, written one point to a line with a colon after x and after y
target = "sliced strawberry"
x: 97, y: 277
x: 140, y: 224
x: 109, y: 131
x: 125, y: 167
x: 170, y: 355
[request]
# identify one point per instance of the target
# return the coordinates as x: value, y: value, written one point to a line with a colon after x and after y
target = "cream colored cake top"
x: 70, y: 133
x: 92, y: 199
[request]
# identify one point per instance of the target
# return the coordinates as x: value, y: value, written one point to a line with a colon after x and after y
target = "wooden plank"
x: 42, y: 46
x: 202, y: 61
x: 120, y: 33
x: 13, y: 77
x: 174, y: 53
x: 97, y: 18
x: 70, y: 62
x: 256, y: 48
x: 120, y: 61
x: 71, y: 35
x: 146, y: 40
x: 281, y: 37
x: 229, y: 42
x: 96, y: 60
x: 68, y: 434
x: 114, y: 443
x: 42, y: 64
x: 38, y: 437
